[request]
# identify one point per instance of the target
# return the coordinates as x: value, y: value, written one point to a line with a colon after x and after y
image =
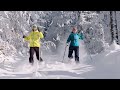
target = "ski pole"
x: 40, y: 54
x: 64, y: 53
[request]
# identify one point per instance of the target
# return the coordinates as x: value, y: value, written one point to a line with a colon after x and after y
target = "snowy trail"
x: 53, y: 69
x: 47, y: 72
x: 103, y: 66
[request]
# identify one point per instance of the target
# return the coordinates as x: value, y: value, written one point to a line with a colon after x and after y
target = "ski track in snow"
x: 50, y: 69
x: 53, y: 70
x: 103, y: 66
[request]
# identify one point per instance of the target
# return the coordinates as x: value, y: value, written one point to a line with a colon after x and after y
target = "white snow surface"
x: 102, y: 66
x: 14, y: 56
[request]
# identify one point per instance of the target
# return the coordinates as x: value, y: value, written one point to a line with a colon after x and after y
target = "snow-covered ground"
x: 102, y: 66
x: 97, y: 31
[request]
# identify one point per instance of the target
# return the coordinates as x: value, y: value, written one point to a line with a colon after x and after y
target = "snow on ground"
x: 102, y: 66
x: 106, y: 64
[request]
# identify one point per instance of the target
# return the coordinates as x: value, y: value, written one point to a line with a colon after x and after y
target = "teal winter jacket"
x: 74, y: 39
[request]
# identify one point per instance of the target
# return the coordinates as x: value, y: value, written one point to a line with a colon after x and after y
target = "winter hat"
x: 34, y: 26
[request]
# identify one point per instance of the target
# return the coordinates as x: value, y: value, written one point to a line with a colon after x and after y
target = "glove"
x: 67, y: 44
x: 24, y: 36
x: 79, y: 31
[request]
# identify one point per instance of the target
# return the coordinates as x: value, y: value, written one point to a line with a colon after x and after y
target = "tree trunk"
x: 111, y: 25
x: 117, y: 41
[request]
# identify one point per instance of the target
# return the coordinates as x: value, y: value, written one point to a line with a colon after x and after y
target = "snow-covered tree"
x: 57, y: 25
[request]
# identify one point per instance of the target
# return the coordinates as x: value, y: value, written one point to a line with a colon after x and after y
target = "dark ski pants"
x: 32, y: 50
x: 76, y: 50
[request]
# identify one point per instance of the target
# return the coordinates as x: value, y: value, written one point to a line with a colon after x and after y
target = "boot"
x: 77, y: 60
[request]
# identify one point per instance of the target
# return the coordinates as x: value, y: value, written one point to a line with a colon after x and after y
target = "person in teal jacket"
x: 73, y: 39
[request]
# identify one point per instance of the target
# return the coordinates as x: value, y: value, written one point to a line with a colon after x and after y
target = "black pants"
x: 32, y: 50
x: 76, y: 50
